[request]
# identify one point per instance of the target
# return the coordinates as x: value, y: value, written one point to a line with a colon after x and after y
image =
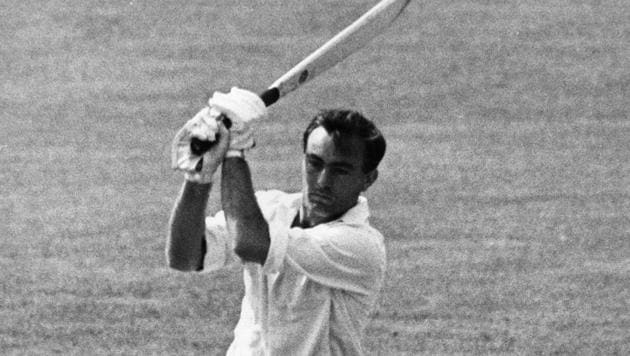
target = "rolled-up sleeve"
x: 336, y: 255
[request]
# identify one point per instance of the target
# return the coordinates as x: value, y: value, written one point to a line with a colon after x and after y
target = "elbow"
x: 243, y: 252
x: 251, y: 253
x: 181, y: 267
x: 185, y: 257
x: 180, y: 264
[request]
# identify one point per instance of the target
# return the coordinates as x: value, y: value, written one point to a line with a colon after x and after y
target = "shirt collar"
x: 358, y: 214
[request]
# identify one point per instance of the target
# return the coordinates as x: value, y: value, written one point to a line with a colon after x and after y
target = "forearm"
x: 185, y: 242
x: 245, y: 221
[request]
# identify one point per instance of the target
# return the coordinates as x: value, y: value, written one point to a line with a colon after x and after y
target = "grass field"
x: 504, y: 195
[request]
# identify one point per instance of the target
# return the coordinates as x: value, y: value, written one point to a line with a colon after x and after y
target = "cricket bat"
x: 335, y: 50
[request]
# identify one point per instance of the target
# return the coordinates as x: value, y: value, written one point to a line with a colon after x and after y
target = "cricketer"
x: 312, y: 264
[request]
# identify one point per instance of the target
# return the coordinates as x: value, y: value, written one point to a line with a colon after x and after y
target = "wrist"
x: 198, y: 177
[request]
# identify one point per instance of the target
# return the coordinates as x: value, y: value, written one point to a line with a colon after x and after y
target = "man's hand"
x: 204, y: 126
x: 241, y: 107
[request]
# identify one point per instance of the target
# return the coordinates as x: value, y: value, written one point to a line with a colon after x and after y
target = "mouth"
x: 319, y: 198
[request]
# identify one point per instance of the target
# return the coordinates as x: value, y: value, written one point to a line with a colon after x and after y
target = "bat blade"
x: 342, y: 45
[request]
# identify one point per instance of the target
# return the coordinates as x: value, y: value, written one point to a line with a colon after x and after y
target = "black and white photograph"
x: 337, y: 177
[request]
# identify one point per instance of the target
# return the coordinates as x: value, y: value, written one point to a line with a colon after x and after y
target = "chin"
x: 319, y: 215
x: 316, y: 216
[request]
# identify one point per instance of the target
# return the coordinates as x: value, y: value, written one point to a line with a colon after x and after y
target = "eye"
x: 313, y: 163
x: 341, y: 171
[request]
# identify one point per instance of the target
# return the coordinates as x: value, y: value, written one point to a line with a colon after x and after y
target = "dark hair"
x: 345, y: 124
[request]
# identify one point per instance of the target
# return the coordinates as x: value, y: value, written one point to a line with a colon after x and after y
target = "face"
x: 332, y: 177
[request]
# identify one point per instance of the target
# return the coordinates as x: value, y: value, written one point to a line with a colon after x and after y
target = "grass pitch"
x: 504, y: 195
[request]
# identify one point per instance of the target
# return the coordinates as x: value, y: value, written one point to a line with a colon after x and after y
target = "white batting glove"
x: 204, y: 126
x: 241, y: 107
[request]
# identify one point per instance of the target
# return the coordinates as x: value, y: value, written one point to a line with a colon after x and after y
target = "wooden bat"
x: 343, y: 44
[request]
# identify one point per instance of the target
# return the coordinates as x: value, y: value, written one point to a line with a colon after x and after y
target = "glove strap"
x: 235, y: 153
x: 201, y: 178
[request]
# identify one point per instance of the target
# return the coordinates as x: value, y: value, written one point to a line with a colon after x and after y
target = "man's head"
x: 342, y: 150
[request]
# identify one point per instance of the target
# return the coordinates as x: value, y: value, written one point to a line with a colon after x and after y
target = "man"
x: 313, y: 266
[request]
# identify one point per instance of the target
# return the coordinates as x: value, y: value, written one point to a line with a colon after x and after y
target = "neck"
x: 304, y: 221
x: 299, y: 221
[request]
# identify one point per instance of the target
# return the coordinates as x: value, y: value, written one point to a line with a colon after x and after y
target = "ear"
x: 370, y: 178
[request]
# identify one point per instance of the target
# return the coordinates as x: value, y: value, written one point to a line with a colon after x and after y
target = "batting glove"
x: 204, y: 126
x: 241, y: 107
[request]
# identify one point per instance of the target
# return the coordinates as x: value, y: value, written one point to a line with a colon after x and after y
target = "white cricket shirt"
x: 317, y: 287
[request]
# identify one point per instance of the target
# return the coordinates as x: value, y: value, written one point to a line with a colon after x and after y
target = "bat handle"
x: 199, y: 147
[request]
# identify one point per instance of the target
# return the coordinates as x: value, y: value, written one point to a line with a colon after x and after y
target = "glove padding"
x: 204, y: 126
x: 241, y: 107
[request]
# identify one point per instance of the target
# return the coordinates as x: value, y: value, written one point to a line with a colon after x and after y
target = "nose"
x: 324, y: 179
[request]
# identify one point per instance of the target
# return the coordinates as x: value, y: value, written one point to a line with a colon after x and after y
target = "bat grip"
x: 199, y: 147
